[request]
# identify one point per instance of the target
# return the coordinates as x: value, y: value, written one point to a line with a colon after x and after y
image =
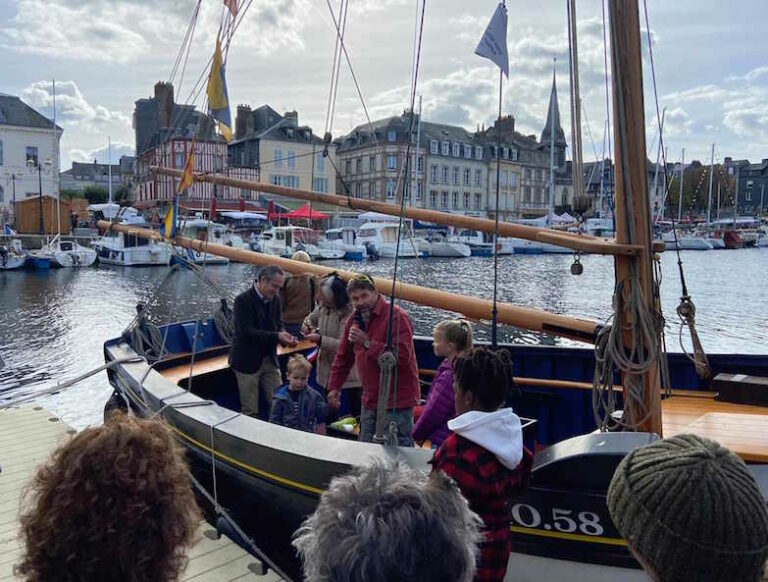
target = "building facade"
x: 27, y: 138
x: 372, y: 162
x: 281, y: 152
x: 751, y: 184
x: 82, y: 175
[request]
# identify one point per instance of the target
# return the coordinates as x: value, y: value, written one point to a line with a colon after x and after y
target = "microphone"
x: 359, y: 319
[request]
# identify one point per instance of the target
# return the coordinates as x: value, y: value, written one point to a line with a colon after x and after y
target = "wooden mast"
x: 472, y: 307
x: 581, y: 242
x: 632, y: 204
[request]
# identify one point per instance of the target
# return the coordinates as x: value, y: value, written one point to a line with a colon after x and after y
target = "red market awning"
x: 304, y: 213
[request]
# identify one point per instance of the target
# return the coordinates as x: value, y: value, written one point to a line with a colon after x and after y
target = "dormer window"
x: 433, y: 146
x: 391, y: 135
x: 456, y: 153
x: 478, y: 152
x: 445, y: 147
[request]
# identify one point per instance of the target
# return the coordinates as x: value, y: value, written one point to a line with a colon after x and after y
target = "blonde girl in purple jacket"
x: 450, y: 337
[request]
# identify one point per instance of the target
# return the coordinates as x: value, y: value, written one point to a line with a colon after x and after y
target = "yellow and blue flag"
x: 168, y: 228
x: 218, y: 98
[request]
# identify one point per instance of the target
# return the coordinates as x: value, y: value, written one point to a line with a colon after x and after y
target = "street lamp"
x: 34, y: 164
x: 10, y: 178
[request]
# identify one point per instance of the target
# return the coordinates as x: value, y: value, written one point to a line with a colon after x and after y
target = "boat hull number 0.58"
x: 562, y: 520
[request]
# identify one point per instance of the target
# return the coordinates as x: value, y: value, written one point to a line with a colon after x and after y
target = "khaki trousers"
x: 266, y: 379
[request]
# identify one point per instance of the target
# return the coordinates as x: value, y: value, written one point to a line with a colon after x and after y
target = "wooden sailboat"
x: 265, y: 478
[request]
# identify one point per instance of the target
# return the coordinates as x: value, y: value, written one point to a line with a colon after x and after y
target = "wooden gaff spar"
x: 580, y: 242
x: 471, y: 307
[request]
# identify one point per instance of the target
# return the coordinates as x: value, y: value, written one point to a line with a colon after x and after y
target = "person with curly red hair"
x: 114, y: 503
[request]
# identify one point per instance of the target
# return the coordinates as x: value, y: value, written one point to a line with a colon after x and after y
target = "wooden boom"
x: 580, y: 242
x: 471, y: 307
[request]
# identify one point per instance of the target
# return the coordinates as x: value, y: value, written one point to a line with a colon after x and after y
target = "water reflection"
x: 53, y: 324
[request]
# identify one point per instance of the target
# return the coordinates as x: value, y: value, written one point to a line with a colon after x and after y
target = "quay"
x: 28, y: 436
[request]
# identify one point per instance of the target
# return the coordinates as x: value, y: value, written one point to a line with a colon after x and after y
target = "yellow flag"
x: 218, y: 98
x: 187, y: 178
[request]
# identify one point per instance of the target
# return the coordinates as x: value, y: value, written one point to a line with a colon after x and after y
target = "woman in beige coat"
x: 325, y: 325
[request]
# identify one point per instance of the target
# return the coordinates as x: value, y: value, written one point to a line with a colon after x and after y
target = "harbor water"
x: 53, y: 323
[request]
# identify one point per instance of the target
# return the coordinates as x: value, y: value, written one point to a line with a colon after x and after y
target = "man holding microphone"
x: 366, y: 334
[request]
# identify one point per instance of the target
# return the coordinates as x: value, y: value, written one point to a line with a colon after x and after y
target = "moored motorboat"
x: 12, y: 255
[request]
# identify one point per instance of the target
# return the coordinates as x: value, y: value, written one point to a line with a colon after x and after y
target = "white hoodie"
x: 499, y: 432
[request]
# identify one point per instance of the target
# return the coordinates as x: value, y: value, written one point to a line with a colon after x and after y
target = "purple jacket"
x: 439, y: 409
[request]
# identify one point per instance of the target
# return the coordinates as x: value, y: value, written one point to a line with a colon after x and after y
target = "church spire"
x: 553, y: 118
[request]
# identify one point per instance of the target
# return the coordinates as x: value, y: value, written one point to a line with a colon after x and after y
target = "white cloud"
x: 73, y: 111
x: 677, y: 122
x: 124, y: 31
x: 102, y: 155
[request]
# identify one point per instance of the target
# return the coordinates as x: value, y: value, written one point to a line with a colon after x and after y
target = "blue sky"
x: 711, y: 65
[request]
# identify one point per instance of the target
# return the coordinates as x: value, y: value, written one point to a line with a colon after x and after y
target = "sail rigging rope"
x: 686, y: 310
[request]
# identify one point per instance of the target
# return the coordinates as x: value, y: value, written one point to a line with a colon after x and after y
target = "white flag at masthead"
x: 493, y: 45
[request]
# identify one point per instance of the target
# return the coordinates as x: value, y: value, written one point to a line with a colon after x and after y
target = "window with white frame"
x: 179, y: 163
x: 291, y: 160
x: 503, y: 178
x: 444, y: 199
x: 456, y: 152
x: 319, y: 163
x: 320, y: 184
x: 478, y: 152
x: 390, y: 189
x: 432, y: 199
x: 455, y: 200
x: 433, y: 174
x: 278, y: 158
x: 359, y: 190
x: 391, y: 162
x: 478, y: 200
x: 391, y: 135
x: 420, y: 163
x: 466, y: 200
x: 478, y: 177
x: 446, y: 171
x: 512, y: 180
x: 468, y: 151
x: 456, y: 175
x: 433, y: 147
x: 359, y: 166
x: 445, y: 148
x: 513, y: 154
x: 467, y: 176
x: 504, y: 152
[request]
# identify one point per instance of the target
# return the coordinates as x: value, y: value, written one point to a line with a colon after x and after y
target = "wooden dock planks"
x: 28, y: 436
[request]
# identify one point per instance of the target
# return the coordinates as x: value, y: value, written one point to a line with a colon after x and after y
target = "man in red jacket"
x: 366, y: 334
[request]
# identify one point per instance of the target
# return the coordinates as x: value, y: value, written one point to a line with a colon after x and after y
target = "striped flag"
x: 312, y: 356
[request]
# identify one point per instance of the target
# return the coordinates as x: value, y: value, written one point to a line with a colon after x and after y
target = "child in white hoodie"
x: 485, y: 454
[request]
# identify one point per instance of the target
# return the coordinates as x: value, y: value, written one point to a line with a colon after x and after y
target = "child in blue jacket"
x: 296, y: 405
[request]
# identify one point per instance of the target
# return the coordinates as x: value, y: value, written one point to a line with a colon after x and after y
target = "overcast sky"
x: 711, y: 65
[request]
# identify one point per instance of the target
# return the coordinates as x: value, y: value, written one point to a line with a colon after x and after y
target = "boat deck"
x: 742, y: 428
x: 29, y: 435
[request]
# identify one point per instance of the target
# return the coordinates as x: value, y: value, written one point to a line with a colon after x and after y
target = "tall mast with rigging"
x: 636, y: 298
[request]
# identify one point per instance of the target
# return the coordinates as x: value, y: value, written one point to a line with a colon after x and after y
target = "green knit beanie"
x: 691, y: 510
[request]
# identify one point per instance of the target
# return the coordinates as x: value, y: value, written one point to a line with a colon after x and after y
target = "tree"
x: 96, y: 194
x: 123, y: 193
x: 69, y: 194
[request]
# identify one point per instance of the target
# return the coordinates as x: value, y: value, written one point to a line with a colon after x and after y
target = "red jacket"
x: 488, y: 486
x: 367, y: 360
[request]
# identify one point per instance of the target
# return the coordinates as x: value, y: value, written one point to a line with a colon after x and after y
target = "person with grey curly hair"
x: 390, y: 522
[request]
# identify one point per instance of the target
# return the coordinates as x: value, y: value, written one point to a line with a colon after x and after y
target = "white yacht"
x: 382, y: 237
x: 203, y: 230
x: 67, y: 253
x: 344, y: 239
x: 481, y: 244
x: 116, y: 248
x: 686, y: 242
x: 437, y: 244
x: 12, y: 255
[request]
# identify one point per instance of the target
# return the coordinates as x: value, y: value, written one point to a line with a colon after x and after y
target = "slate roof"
x: 13, y: 111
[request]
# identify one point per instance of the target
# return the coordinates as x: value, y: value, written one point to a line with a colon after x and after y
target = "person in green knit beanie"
x: 690, y: 510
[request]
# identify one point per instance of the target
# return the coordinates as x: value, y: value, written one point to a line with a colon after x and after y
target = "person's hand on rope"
x: 334, y: 399
x: 287, y: 339
x: 357, y: 335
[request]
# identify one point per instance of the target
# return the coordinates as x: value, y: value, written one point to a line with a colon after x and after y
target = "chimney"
x: 292, y: 117
x: 241, y: 121
x: 164, y: 98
